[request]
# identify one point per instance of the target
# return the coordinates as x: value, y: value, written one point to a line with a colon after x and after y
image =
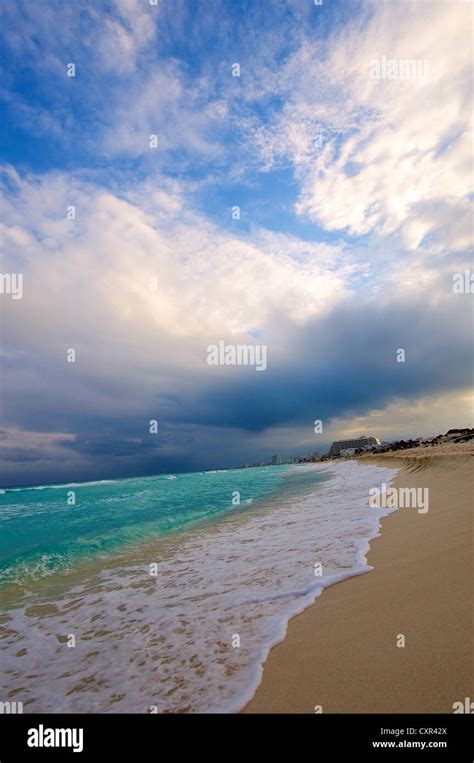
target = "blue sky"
x: 355, y: 201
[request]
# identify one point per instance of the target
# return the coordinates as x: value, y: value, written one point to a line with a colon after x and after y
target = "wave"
x: 57, y: 487
x: 246, y: 577
x: 38, y: 566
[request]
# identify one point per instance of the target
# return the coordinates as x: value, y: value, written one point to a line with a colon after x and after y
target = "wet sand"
x: 342, y: 654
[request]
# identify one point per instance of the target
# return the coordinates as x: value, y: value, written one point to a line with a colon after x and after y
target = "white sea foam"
x: 167, y: 641
x: 57, y: 487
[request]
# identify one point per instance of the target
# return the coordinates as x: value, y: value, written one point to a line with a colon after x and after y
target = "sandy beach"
x: 342, y: 654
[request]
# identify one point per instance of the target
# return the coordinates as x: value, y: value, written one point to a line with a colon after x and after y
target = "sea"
x: 165, y: 594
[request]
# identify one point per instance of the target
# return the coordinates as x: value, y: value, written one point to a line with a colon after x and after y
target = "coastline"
x: 244, y: 572
x: 341, y: 653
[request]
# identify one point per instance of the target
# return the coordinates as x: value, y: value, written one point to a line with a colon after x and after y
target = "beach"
x: 171, y: 595
x: 344, y: 655
x: 179, y: 606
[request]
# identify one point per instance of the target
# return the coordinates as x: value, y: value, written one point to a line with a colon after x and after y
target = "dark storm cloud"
x: 342, y: 365
x: 345, y: 365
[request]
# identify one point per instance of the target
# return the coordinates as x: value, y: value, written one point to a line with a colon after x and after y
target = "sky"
x: 180, y: 174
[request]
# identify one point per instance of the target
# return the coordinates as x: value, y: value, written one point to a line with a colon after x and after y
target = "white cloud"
x: 149, y: 271
x: 426, y: 416
x: 183, y: 117
x: 122, y: 36
x: 395, y: 155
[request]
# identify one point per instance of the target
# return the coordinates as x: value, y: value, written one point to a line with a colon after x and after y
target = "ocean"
x: 165, y: 594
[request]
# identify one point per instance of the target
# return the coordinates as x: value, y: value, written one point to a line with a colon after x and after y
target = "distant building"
x: 276, y: 460
x: 362, y: 443
x: 317, y: 455
x: 290, y: 460
x: 451, y: 434
x: 347, y: 452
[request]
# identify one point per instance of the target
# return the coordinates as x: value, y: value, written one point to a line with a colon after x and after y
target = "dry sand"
x: 342, y: 652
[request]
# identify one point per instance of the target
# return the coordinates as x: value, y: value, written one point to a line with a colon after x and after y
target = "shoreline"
x: 341, y: 652
x: 174, y: 629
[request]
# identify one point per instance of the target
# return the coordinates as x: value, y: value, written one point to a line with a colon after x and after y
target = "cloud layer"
x: 134, y: 258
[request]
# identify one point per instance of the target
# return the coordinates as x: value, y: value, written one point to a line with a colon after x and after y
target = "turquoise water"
x: 40, y: 533
x: 164, y: 575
